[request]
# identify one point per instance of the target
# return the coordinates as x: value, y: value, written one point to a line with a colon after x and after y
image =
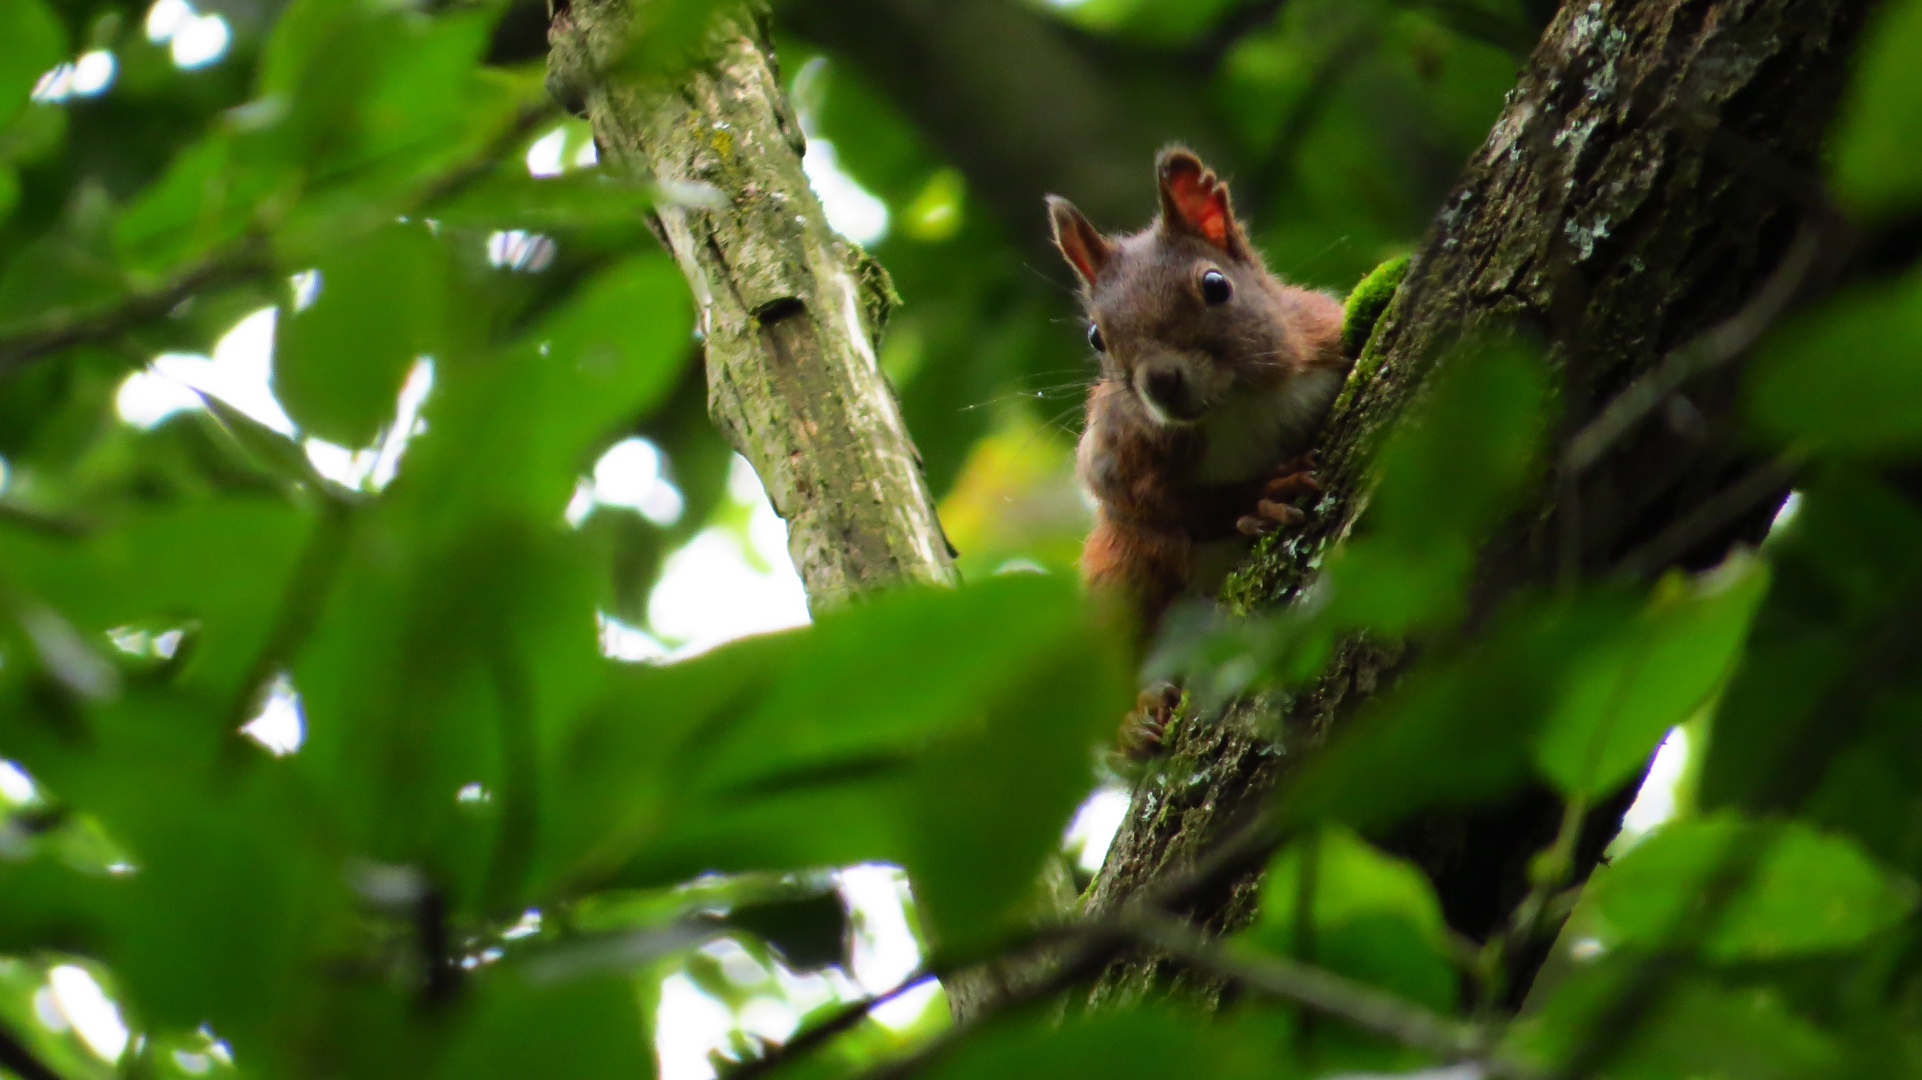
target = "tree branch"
x: 788, y: 310
x: 1548, y: 230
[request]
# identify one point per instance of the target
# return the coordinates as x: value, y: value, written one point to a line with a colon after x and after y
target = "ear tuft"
x: 1080, y: 242
x: 1195, y: 201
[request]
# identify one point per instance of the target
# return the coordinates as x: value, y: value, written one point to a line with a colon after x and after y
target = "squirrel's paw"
x: 1293, y: 480
x: 1142, y: 730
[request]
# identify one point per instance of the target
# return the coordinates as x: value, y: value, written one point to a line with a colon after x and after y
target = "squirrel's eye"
x: 1215, y: 288
x: 1094, y: 339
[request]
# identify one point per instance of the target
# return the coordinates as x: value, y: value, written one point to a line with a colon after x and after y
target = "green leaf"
x: 1375, y: 918
x: 1810, y: 892
x: 339, y: 363
x: 587, y: 1028
x: 176, y: 567
x: 1113, y: 1045
x: 1626, y: 692
x: 32, y: 41
x: 207, y: 198
x: 1844, y: 376
x: 1697, y: 1029
x: 1816, y: 680
x: 1877, y: 167
x: 518, y: 428
x: 1460, y: 727
x: 950, y: 730
x: 1447, y: 475
x: 667, y: 36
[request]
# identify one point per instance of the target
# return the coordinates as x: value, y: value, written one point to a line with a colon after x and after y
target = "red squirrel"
x: 1215, y: 376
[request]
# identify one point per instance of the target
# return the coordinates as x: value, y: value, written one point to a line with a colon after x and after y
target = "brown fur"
x: 1253, y: 377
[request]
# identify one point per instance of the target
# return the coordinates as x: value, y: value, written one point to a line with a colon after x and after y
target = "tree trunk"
x: 1645, y: 179
x: 788, y: 310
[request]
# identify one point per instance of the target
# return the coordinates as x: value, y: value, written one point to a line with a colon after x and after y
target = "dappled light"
x: 605, y: 539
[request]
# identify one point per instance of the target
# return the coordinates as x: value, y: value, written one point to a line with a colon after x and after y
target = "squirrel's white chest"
x: 1253, y: 433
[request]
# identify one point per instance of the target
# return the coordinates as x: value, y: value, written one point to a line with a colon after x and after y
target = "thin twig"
x: 845, y: 1019
x: 1475, y: 22
x: 1712, y: 514
x: 1335, y: 995
x: 1219, y: 40
x: 247, y: 258
x: 1721, y: 343
x: 67, y: 327
x: 1278, y: 163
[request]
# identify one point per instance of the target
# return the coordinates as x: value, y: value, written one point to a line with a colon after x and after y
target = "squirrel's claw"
x: 1154, y: 710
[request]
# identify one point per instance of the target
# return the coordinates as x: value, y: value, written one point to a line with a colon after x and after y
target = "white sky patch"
x: 165, y: 18
x: 852, y: 210
x: 15, y: 785
x: 1785, y: 515
x: 544, y: 157
x: 687, y: 1025
x: 54, y: 86
x: 306, y: 288
x: 200, y: 40
x: 631, y: 474
x: 1655, y: 804
x: 629, y: 644
x: 281, y: 725
x: 88, y: 1009
x: 717, y: 589
x: 240, y: 373
x: 237, y: 373
x: 1093, y: 829
x: 885, y: 949
x: 93, y: 73
x: 372, y: 468
x: 518, y: 249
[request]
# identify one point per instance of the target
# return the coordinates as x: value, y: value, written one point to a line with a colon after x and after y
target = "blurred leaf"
x: 667, y: 35
x: 1810, y: 892
x: 1844, y: 376
x: 339, y: 362
x: 1875, y: 164
x: 1120, y: 1044
x: 1375, y: 918
x: 517, y: 428
x: 208, y: 198
x: 1625, y: 694
x: 1827, y: 697
x: 1459, y: 728
x: 587, y: 1028
x: 32, y: 41
x: 583, y: 198
x: 1448, y: 473
x: 948, y: 730
x: 1697, y: 1029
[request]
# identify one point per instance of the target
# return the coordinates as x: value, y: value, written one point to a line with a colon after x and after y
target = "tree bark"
x: 789, y: 311
x: 1643, y: 182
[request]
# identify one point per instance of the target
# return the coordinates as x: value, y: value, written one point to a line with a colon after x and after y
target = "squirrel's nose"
x: 1163, y: 387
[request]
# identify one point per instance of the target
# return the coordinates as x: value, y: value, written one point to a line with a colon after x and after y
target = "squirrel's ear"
x: 1083, y: 245
x: 1195, y: 201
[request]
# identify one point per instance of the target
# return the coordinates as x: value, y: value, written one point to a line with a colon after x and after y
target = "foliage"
x: 314, y: 767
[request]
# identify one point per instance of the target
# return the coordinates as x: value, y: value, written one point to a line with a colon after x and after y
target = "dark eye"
x: 1094, y: 339
x: 1215, y: 288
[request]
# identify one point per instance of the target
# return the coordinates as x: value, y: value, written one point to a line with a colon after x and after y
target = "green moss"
x: 1367, y: 302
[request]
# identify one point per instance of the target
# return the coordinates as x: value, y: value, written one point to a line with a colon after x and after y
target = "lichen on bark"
x: 1641, y: 183
x: 789, y: 312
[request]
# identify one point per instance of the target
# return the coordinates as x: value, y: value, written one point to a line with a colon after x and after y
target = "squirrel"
x: 1215, y: 376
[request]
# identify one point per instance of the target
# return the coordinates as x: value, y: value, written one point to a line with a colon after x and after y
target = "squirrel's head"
x: 1183, y: 313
